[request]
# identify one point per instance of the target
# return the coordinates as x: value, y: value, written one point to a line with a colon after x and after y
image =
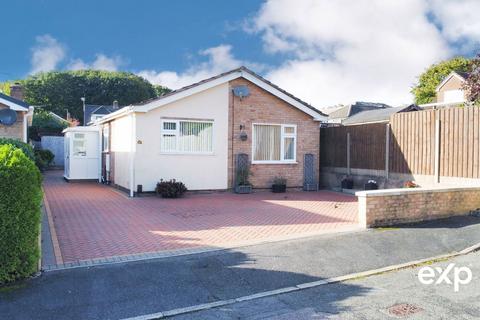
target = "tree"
x: 59, y: 91
x: 472, y: 84
x: 161, y: 90
x: 428, y: 81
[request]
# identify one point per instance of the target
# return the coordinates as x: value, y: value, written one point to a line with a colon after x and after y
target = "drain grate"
x: 403, y: 309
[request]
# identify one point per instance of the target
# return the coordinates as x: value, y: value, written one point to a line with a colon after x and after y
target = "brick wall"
x: 263, y: 107
x: 14, y: 131
x: 394, y: 206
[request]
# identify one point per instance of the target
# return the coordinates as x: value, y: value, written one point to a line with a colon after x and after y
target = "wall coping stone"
x: 404, y: 191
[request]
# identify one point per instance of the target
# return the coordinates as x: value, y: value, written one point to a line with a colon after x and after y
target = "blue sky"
x: 326, y: 52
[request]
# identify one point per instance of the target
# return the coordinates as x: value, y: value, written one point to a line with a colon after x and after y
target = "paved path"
x: 373, y: 298
x: 132, y: 289
x: 94, y: 221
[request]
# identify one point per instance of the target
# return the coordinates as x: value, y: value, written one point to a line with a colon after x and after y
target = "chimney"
x: 16, y: 91
x: 115, y: 105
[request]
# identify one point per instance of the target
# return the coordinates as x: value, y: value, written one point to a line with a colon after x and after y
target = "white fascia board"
x: 316, y: 115
x: 13, y: 106
x: 117, y: 114
x: 199, y: 88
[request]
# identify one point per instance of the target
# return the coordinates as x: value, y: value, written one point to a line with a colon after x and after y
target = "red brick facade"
x: 14, y: 131
x: 262, y: 107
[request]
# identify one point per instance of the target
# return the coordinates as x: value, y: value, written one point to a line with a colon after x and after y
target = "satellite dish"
x: 241, y: 91
x: 8, y: 117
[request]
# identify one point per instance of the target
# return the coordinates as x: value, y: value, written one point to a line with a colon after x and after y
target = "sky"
x: 325, y: 52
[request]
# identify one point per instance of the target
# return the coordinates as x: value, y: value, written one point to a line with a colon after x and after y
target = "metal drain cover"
x: 403, y: 310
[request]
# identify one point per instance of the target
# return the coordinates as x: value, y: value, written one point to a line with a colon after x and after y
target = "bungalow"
x: 338, y: 116
x: 194, y: 135
x: 15, y: 114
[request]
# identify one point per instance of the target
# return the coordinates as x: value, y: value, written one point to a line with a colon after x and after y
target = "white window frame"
x: 95, y: 117
x: 106, y: 128
x: 176, y: 132
x: 283, y: 135
x: 84, y: 139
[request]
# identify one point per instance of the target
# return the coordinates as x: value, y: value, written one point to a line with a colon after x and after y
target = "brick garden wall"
x: 395, y: 206
x: 262, y: 107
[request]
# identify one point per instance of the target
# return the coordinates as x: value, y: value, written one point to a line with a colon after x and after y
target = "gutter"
x: 26, y: 115
x: 132, y: 155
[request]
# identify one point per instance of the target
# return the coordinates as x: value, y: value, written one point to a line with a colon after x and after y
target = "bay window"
x: 187, y: 136
x: 274, y: 143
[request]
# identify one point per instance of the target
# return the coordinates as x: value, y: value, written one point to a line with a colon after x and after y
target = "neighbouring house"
x: 15, y: 114
x: 194, y: 135
x: 378, y: 116
x: 93, y: 112
x: 338, y: 116
x: 450, y: 90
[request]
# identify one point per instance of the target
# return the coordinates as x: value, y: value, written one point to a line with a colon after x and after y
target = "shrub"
x: 26, y: 148
x: 170, y: 189
x: 43, y: 158
x: 20, y: 199
x: 281, y: 181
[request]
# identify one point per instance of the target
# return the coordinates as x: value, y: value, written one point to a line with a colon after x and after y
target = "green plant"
x: 281, y: 181
x: 25, y: 147
x: 60, y: 91
x: 45, y: 123
x: 43, y: 158
x: 20, y: 200
x: 243, y: 174
x: 170, y: 189
x: 424, y: 90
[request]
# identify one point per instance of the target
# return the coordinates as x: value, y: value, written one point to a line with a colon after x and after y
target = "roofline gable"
x: 224, y: 78
x: 447, y: 78
x: 12, y: 105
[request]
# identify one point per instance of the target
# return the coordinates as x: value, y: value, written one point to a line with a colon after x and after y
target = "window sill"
x: 274, y: 162
x: 186, y: 153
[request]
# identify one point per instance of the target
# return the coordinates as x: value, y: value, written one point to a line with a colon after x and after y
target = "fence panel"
x: 412, y: 143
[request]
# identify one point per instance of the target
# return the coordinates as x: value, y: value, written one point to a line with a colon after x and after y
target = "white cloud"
x: 46, y: 54
x: 344, y: 51
x: 101, y: 62
x: 219, y: 59
x: 458, y: 20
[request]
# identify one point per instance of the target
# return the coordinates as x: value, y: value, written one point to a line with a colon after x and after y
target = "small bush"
x: 26, y: 148
x: 43, y: 158
x: 20, y: 200
x: 170, y: 189
x: 281, y: 181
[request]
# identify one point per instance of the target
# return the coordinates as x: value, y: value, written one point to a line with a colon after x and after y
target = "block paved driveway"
x: 94, y: 221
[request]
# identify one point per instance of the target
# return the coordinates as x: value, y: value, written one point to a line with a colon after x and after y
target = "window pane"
x: 169, y: 126
x: 169, y: 142
x: 195, y: 137
x: 289, y: 149
x: 106, y: 134
x: 289, y: 130
x: 79, y: 149
x: 267, y: 143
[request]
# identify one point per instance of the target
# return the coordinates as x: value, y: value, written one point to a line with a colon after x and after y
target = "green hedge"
x: 20, y: 201
x: 26, y: 148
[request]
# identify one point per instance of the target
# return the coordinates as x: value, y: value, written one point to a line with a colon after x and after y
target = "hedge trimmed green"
x: 20, y: 200
x: 26, y: 148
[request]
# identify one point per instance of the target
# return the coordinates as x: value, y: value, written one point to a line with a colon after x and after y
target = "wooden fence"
x: 441, y: 142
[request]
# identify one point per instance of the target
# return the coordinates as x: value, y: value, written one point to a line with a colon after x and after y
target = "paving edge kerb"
x: 303, y: 286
